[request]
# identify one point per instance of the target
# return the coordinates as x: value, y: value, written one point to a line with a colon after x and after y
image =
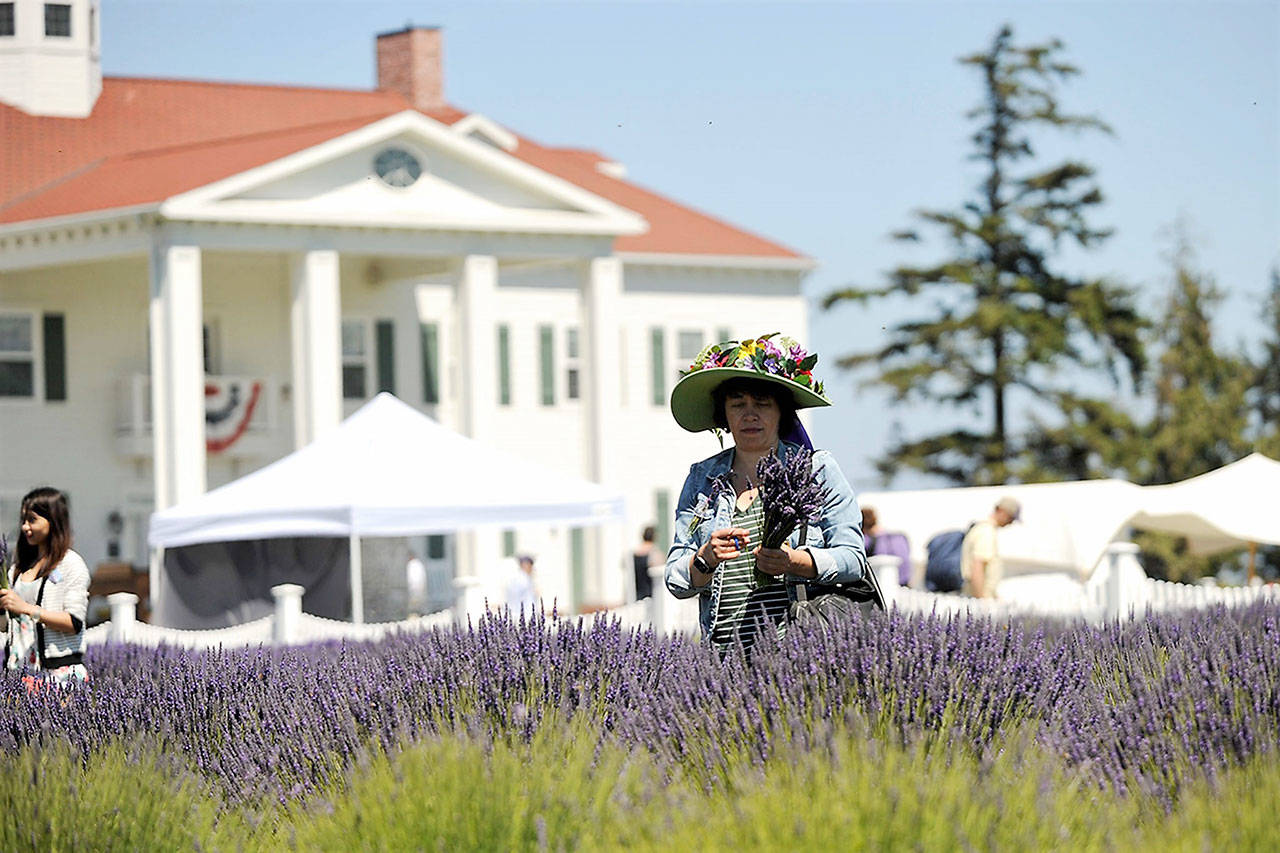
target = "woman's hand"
x: 725, y: 544
x: 785, y: 561
x: 14, y: 603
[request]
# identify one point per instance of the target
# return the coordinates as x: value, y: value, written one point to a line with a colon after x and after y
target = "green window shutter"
x: 662, y: 511
x: 723, y: 335
x: 435, y: 547
x: 547, y: 362
x: 504, y: 366
x: 386, y: 343
x: 429, y: 338
x: 55, y: 357
x: 508, y: 543
x: 577, y: 566
x: 658, y: 348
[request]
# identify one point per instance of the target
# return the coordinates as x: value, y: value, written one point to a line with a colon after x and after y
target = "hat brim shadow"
x: 694, y: 409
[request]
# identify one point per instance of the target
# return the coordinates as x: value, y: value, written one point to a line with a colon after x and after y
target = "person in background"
x: 980, y: 555
x: 415, y: 576
x: 48, y: 593
x: 880, y: 542
x: 642, y: 558
x: 522, y: 595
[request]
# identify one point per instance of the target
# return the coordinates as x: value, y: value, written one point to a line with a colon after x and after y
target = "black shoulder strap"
x: 40, y: 625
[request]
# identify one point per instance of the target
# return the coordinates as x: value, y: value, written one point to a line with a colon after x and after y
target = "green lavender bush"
x: 890, y: 733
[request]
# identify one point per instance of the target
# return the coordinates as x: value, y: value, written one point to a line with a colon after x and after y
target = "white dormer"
x: 488, y: 131
x: 49, y: 56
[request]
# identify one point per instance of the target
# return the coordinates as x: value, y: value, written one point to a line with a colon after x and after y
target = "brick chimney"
x: 410, y: 61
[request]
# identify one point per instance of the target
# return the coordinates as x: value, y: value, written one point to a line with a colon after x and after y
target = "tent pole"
x: 357, y: 582
x: 155, y: 572
x: 1253, y: 560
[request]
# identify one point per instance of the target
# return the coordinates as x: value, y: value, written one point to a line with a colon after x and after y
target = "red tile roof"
x: 148, y: 140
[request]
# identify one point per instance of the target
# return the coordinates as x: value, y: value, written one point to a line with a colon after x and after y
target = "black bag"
x: 830, y: 603
x: 942, y: 567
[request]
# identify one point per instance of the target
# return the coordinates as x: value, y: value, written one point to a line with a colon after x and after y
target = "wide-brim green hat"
x: 780, y: 362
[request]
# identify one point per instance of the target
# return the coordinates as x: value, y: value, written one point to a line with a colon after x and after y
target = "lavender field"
x: 893, y: 732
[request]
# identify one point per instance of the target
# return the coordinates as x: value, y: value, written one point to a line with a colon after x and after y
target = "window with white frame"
x: 357, y: 355
x: 18, y: 361
x: 572, y: 364
x: 689, y: 342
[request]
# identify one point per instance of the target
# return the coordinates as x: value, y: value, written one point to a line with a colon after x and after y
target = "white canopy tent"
x: 387, y: 470
x: 1063, y: 526
x: 1223, y: 509
x: 1067, y: 526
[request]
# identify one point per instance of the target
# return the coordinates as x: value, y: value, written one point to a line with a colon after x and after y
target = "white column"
x: 601, y: 312
x: 470, y: 603
x: 315, y: 320
x: 660, y: 602
x: 886, y: 568
x: 478, y: 551
x: 1125, y: 582
x: 124, y: 615
x: 177, y: 374
x: 357, y: 579
x: 288, y: 615
x: 478, y: 344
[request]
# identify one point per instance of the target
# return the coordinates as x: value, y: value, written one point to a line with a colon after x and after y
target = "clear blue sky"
x: 821, y: 125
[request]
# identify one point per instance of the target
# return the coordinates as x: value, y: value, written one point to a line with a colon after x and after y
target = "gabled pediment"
x: 407, y: 171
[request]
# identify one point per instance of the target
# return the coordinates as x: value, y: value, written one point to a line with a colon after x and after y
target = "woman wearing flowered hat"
x: 752, y: 389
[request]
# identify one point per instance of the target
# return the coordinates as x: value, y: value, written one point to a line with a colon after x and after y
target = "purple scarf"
x: 797, y: 435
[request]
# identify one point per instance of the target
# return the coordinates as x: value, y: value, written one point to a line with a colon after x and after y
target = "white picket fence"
x: 1118, y: 589
x: 287, y: 625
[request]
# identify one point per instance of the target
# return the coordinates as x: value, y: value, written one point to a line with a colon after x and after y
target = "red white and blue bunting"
x: 228, y: 409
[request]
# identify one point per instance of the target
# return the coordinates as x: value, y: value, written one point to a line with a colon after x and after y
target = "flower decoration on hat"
x: 783, y: 358
x: 773, y: 358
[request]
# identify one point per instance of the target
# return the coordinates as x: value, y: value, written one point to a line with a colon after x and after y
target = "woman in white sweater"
x: 47, y: 592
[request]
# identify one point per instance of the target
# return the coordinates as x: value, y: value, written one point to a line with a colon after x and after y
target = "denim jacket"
x: 835, y: 542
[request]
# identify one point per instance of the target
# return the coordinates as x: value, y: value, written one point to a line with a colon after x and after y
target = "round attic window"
x: 397, y: 167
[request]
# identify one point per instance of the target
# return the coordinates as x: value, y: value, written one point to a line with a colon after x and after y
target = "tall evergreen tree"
x: 1202, y: 413
x: 1002, y: 319
x: 1201, y: 404
x: 1266, y: 382
x: 1266, y: 390
x: 1087, y: 439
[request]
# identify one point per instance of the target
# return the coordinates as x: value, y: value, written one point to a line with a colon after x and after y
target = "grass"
x: 568, y: 790
x: 120, y: 799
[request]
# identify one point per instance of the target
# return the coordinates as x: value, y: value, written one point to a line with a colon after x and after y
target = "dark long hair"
x: 757, y: 388
x: 51, y: 505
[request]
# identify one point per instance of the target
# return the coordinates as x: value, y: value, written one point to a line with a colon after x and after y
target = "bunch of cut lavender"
x: 789, y: 495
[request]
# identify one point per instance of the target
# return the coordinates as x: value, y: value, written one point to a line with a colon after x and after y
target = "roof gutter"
x: 77, y: 220
x: 752, y: 262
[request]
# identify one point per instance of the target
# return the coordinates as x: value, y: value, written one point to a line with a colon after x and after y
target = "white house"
x: 197, y: 278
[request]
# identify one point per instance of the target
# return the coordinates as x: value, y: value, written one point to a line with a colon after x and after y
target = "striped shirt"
x: 748, y: 601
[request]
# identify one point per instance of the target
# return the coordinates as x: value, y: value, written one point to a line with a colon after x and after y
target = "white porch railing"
x: 134, y: 420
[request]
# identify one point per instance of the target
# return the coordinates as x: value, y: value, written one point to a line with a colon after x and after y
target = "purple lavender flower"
x: 790, y: 494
